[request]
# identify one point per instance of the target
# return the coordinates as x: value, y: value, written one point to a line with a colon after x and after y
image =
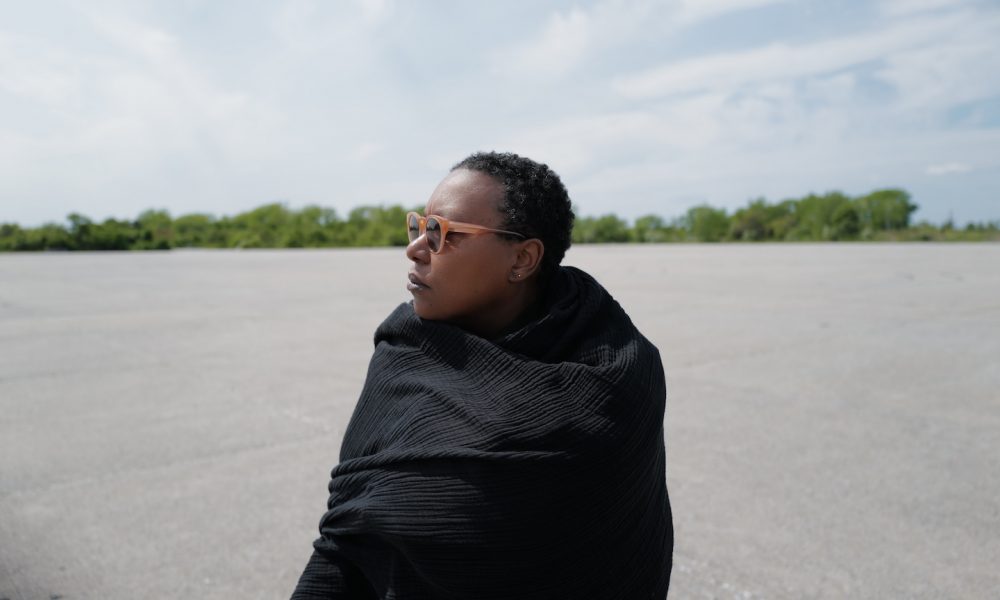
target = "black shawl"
x: 530, y: 466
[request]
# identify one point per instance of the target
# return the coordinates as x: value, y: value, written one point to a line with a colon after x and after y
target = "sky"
x: 112, y: 108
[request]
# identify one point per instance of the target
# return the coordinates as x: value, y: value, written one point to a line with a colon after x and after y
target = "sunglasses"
x: 436, y: 229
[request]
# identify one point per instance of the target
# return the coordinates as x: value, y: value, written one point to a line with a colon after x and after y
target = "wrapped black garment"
x: 526, y: 467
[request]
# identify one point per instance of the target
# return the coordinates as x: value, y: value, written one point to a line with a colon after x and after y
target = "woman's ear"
x: 528, y: 259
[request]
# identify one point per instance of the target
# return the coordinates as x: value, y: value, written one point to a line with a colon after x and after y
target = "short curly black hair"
x: 536, y: 203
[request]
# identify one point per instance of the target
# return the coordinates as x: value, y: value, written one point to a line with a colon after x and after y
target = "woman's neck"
x: 530, y: 310
x: 515, y: 311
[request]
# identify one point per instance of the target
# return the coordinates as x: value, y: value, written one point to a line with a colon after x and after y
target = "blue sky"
x: 110, y: 108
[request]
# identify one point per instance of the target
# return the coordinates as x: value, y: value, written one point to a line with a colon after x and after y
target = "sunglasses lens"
x: 413, y: 227
x: 433, y: 234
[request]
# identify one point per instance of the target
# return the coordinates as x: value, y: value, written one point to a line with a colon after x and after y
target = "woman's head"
x: 484, y: 280
x: 535, y: 202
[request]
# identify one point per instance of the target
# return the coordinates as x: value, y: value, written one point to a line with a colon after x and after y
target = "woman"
x: 508, y: 442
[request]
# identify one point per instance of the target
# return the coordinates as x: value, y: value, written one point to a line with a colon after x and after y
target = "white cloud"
x: 558, y: 49
x: 171, y: 105
x: 570, y: 38
x: 950, y: 69
x: 895, y: 8
x: 375, y: 10
x: 344, y: 34
x: 36, y: 73
x: 133, y: 121
x: 581, y: 145
x: 693, y: 11
x: 948, y: 168
x: 367, y: 150
x: 780, y: 61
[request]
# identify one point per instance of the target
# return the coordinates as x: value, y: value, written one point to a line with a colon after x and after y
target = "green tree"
x: 11, y: 237
x: 611, y: 229
x: 583, y: 230
x: 155, y: 230
x: 784, y: 220
x: 814, y: 216
x: 112, y: 234
x: 760, y: 221
x: 600, y: 230
x: 884, y: 210
x: 706, y: 223
x: 654, y: 229
x: 313, y: 226
x: 262, y: 227
x: 80, y: 230
x: 649, y: 228
x: 197, y: 230
x: 846, y: 222
x: 50, y: 236
x: 377, y: 226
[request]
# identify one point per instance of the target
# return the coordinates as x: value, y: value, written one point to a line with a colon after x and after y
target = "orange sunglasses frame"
x: 446, y: 226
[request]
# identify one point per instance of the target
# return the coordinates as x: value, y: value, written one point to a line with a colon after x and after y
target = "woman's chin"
x: 422, y: 309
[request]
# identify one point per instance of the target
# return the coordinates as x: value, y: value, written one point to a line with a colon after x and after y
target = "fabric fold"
x: 530, y: 466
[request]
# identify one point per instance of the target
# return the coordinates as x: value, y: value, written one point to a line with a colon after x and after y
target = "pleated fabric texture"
x: 527, y: 467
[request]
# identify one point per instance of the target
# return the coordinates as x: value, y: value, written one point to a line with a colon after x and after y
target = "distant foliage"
x: 607, y: 228
x: 882, y: 215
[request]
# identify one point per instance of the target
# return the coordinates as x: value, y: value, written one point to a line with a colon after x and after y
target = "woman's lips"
x: 416, y: 284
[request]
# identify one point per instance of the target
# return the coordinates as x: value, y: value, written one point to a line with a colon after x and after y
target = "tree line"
x: 882, y: 215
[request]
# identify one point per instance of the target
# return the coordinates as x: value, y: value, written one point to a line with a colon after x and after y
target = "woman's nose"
x: 417, y: 250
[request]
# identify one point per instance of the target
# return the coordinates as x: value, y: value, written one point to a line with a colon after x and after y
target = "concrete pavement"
x: 168, y: 420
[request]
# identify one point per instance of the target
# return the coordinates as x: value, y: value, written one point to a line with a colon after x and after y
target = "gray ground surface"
x: 168, y: 420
